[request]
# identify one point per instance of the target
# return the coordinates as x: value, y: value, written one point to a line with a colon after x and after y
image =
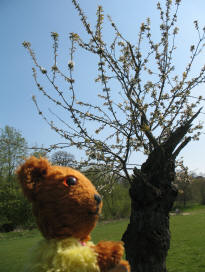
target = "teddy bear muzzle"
x: 98, y: 199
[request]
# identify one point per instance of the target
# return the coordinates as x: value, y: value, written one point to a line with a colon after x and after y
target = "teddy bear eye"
x: 70, y: 181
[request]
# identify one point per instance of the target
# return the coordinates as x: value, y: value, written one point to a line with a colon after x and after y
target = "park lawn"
x: 14, y: 248
x: 187, y: 253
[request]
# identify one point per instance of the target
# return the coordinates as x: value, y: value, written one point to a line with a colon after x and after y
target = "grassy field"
x: 187, y: 253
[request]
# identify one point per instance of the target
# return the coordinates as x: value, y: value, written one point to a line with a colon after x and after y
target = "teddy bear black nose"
x: 97, y: 198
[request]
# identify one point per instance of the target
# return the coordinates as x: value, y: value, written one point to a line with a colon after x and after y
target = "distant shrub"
x: 15, y: 211
x: 116, y: 204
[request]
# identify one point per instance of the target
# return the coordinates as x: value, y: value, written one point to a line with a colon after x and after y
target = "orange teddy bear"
x: 66, y: 206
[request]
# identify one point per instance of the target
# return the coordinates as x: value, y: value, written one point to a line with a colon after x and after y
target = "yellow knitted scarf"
x: 67, y: 255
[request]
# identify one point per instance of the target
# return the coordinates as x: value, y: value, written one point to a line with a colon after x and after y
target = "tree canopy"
x: 153, y: 101
x: 63, y: 158
x: 13, y: 149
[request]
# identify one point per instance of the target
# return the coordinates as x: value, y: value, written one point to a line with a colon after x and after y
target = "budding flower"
x: 54, y: 35
x: 26, y: 44
x: 192, y: 48
x: 34, y: 98
x: 54, y: 68
x: 43, y: 70
x: 71, y: 65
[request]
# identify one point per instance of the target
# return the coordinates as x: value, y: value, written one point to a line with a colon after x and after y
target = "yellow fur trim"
x: 67, y: 255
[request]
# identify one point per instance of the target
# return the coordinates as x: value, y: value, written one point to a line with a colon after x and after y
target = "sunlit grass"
x: 187, y: 253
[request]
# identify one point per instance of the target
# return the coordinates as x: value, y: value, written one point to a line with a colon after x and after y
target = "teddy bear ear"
x: 31, y: 173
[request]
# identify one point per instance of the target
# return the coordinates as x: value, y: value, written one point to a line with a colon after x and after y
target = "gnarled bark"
x: 147, y: 238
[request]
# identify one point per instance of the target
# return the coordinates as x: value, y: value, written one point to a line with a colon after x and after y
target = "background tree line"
x: 190, y: 192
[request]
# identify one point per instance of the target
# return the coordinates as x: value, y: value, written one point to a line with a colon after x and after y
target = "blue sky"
x: 34, y: 20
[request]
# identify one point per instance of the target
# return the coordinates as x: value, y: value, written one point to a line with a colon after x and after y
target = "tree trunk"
x: 147, y: 238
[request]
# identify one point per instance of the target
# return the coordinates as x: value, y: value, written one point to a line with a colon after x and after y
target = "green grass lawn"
x: 187, y: 253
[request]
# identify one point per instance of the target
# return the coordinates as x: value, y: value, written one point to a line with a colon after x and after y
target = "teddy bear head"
x: 65, y: 203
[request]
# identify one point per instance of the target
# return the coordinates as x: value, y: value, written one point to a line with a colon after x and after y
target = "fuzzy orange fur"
x: 64, y: 211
